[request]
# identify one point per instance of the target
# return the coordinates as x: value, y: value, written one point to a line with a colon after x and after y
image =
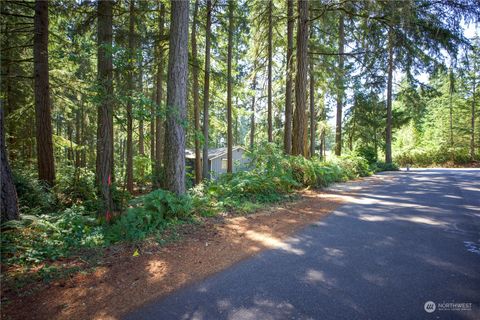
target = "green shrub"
x: 33, y: 196
x: 142, y: 167
x: 382, y: 166
x: 352, y: 166
x: 48, y: 237
x: 149, y: 214
x: 368, y: 153
x: 76, y: 186
x: 203, y: 203
x: 433, y: 157
x: 120, y: 197
x: 272, y: 177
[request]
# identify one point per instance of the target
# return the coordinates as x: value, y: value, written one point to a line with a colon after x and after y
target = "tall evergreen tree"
x: 300, y: 118
x: 105, y: 110
x: 45, y: 159
x: 195, y: 91
x: 8, y: 193
x: 159, y: 128
x: 269, y: 79
x: 287, y: 139
x: 206, y: 91
x: 131, y: 88
x: 231, y: 7
x: 340, y: 90
x: 176, y: 98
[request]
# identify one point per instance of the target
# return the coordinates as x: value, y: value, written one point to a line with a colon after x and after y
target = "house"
x: 217, y: 160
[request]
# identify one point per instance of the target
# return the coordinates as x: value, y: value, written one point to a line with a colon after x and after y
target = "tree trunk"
x: 340, y: 89
x: 70, y: 154
x: 9, y: 101
x: 123, y: 147
x: 313, y: 115
x: 141, y: 126
x: 388, y: 131
x: 252, y: 116
x: 83, y: 139
x: 176, y: 98
x: 299, y: 118
x: 231, y: 7
x: 287, y: 139
x: 195, y: 93
x: 130, y: 84
x: 9, y: 199
x: 105, y: 119
x: 450, y: 92
x: 206, y: 89
x: 270, y: 62
x: 159, y: 99
x: 78, y: 133
x: 45, y: 159
x: 472, y: 131
x: 152, y: 137
x: 141, y: 121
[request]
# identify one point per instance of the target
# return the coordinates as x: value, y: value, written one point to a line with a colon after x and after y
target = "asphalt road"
x: 381, y: 256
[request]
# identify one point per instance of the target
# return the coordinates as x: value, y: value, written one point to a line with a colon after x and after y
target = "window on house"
x: 224, y: 164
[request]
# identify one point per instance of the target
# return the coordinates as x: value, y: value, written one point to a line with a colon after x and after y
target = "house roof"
x: 212, y: 153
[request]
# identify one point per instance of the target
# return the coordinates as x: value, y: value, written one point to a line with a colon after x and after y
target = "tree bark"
x: 340, y: 89
x: 105, y: 113
x: 388, y: 131
x: 195, y: 93
x: 45, y: 159
x: 472, y: 131
x: 252, y: 116
x: 152, y: 137
x: 287, y: 139
x: 141, y: 122
x: 8, y: 198
x: 450, y: 92
x: 70, y: 154
x: 159, y: 125
x: 231, y: 7
x: 313, y: 115
x: 78, y: 133
x: 299, y: 118
x: 206, y: 90
x: 83, y: 139
x: 177, y: 98
x: 270, y: 62
x: 322, y: 131
x: 130, y: 84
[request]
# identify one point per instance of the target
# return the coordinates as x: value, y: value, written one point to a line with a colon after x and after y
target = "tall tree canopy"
x: 390, y: 81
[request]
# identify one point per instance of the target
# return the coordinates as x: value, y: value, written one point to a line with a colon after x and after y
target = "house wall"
x: 239, y: 162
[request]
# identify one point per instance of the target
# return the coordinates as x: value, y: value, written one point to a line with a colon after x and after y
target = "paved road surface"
x: 382, y: 256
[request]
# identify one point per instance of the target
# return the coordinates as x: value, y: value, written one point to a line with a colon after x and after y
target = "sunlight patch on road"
x: 367, y: 217
x: 473, y: 208
x: 316, y: 276
x: 451, y: 197
x: 423, y: 220
x: 415, y: 219
x: 272, y: 242
x: 334, y: 252
x: 471, y: 189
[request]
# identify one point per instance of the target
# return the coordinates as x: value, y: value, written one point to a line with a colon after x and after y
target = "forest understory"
x: 121, y: 278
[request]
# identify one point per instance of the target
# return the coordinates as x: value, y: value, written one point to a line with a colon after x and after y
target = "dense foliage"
x: 104, y: 101
x: 48, y: 233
